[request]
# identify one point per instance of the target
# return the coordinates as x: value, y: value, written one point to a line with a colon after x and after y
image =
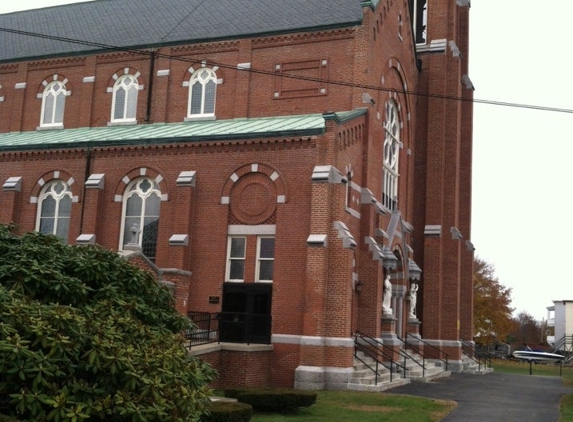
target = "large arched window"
x: 53, y: 103
x: 141, y: 203
x: 202, y: 93
x: 54, y: 209
x: 124, y: 102
x: 391, y: 155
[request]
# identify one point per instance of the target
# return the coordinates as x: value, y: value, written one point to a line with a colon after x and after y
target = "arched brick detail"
x: 270, y: 172
x: 55, y: 77
x: 253, y: 199
x: 119, y: 73
x: 52, y: 175
x: 403, y: 100
x: 199, y: 65
x: 136, y: 173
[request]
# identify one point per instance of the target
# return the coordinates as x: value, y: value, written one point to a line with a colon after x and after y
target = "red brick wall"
x: 312, y: 288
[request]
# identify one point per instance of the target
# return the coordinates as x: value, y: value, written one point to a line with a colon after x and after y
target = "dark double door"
x: 246, y: 313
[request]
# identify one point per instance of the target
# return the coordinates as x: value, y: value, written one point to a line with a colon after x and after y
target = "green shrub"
x: 4, y: 418
x: 233, y: 393
x: 86, y: 335
x: 228, y: 412
x: 275, y: 400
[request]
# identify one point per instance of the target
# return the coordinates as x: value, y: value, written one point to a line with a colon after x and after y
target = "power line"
x: 183, y: 19
x: 107, y: 47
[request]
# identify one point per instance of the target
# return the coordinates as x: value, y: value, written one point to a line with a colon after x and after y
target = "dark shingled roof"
x: 138, y: 23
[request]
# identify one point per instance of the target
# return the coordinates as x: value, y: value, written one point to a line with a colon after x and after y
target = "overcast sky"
x: 522, y: 157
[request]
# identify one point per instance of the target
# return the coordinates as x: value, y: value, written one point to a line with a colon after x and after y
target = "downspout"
x: 150, y: 88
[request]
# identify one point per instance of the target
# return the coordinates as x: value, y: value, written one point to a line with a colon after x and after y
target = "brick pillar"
x: 10, y: 200
x: 182, y: 236
x: 87, y: 92
x: 92, y: 209
x: 326, y: 344
x: 181, y: 281
x: 18, y: 99
x: 467, y: 298
x: 160, y: 97
x: 243, y: 82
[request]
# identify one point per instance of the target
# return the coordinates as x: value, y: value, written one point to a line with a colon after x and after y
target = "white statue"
x: 386, y: 309
x: 413, y: 298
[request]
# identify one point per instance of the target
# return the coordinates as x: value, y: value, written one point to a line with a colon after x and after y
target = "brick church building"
x: 300, y: 170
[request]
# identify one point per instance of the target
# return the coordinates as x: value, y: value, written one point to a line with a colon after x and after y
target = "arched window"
x: 202, y: 93
x: 53, y: 103
x: 391, y: 155
x: 141, y: 203
x: 124, y: 102
x: 54, y: 209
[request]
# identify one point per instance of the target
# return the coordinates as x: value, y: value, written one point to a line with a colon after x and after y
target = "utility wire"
x: 107, y: 47
x: 183, y: 19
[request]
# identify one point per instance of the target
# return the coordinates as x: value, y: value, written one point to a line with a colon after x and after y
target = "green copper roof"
x: 211, y: 130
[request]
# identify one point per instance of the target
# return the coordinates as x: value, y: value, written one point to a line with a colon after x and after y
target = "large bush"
x: 84, y: 335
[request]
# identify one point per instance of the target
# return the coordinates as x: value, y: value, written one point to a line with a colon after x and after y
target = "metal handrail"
x: 423, y: 351
x: 205, y: 328
x: 481, y: 358
x: 407, y: 357
x: 376, y: 350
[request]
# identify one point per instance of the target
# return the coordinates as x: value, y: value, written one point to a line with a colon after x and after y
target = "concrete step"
x: 381, y: 386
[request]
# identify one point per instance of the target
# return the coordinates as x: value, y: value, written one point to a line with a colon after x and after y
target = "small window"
x: 391, y: 155
x: 54, y: 209
x: 124, y: 103
x: 236, y: 258
x: 53, y: 103
x: 265, y: 259
x: 348, y: 187
x: 202, y: 93
x: 141, y: 204
x: 419, y: 14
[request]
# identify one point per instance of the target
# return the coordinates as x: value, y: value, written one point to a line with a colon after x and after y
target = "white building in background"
x: 560, y: 322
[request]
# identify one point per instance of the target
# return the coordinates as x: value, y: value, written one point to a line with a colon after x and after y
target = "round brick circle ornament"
x: 253, y: 199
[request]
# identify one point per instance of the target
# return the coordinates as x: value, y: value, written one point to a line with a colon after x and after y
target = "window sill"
x: 199, y: 118
x: 123, y: 123
x: 55, y: 127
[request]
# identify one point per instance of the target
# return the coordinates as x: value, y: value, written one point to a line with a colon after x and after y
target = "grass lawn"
x: 513, y: 367
x: 350, y: 406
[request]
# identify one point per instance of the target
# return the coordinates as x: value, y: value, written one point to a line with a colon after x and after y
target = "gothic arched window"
x: 202, y: 93
x: 140, y: 216
x: 124, y: 102
x: 391, y: 155
x: 53, y: 103
x: 54, y: 209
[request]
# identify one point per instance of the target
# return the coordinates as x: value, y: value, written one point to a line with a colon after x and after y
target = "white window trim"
x: 114, y: 90
x: 228, y: 266
x: 391, y: 175
x: 259, y: 259
x: 40, y: 200
x: 189, y: 83
x: 44, y: 95
x: 123, y: 210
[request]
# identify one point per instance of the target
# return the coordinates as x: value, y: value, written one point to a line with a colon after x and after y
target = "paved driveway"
x: 495, y: 397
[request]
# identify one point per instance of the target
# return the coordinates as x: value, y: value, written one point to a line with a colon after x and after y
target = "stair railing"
x: 378, y: 352
x: 413, y: 342
x: 408, y: 357
x: 564, y: 346
x: 481, y: 357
